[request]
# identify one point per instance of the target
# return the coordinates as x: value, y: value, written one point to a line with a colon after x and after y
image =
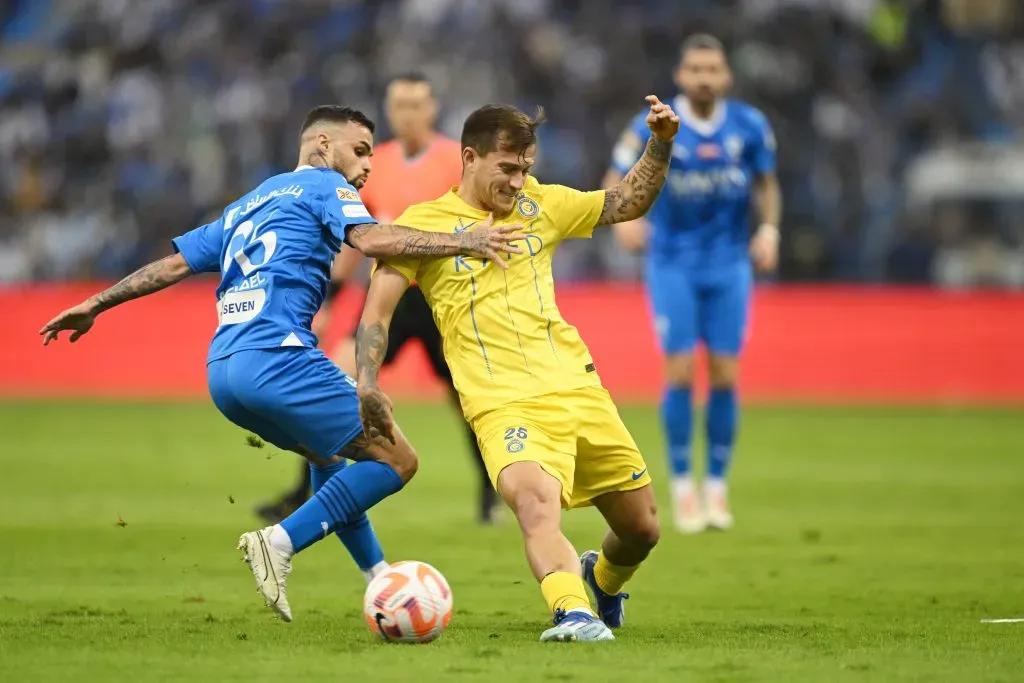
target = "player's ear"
x: 468, y: 156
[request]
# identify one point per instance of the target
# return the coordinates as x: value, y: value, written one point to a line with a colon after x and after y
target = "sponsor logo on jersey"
x: 462, y: 227
x: 728, y: 180
x: 708, y: 150
x: 256, y: 201
x: 347, y: 195
x: 240, y: 307
x: 355, y: 211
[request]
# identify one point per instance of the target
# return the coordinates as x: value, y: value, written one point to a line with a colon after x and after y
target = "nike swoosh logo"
x: 460, y: 230
x: 637, y: 475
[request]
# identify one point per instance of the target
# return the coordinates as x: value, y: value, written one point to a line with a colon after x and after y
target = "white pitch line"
x: 1002, y: 621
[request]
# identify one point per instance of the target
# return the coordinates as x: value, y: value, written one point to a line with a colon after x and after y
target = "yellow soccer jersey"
x: 504, y: 338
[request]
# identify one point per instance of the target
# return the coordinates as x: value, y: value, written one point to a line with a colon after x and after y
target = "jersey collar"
x: 706, y: 127
x: 302, y: 167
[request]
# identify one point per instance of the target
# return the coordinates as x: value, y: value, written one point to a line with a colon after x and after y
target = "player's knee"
x: 646, y: 531
x: 536, y: 511
x: 407, y: 464
x: 402, y: 459
x: 723, y: 371
x: 679, y: 370
x: 638, y: 524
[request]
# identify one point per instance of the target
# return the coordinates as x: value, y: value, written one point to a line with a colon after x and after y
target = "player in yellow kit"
x: 550, y: 434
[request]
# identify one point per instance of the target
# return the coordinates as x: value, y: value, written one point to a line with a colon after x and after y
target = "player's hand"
x: 663, y: 122
x: 77, y: 319
x: 764, y: 248
x: 486, y: 241
x: 375, y: 412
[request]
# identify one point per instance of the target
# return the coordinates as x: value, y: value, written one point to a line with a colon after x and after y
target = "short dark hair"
x: 335, y: 113
x: 701, y: 41
x: 410, y: 77
x: 494, y: 125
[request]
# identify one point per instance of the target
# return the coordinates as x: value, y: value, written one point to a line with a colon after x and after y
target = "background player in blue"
x: 274, y: 248
x: 698, y: 266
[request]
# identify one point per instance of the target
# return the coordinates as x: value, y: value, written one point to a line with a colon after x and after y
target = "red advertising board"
x: 808, y: 344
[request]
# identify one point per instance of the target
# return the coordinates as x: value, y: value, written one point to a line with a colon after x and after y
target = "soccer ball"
x: 409, y: 603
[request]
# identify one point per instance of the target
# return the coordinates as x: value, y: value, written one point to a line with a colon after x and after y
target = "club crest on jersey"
x: 527, y: 207
x: 515, y: 446
x: 347, y: 195
x: 734, y: 146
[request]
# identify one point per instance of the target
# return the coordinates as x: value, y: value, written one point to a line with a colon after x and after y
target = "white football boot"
x: 270, y: 568
x: 716, y: 505
x: 577, y: 626
x: 687, y: 511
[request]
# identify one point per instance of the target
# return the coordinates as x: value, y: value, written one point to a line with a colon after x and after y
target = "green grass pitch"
x: 869, y: 545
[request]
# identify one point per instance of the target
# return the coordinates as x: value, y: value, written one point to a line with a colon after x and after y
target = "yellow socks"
x: 564, y: 591
x: 610, y: 577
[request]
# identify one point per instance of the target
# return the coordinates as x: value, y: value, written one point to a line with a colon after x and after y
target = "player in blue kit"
x: 698, y: 266
x: 274, y: 248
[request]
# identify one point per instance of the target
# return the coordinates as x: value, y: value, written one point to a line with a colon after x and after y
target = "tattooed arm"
x: 485, y: 241
x: 631, y: 235
x: 146, y: 280
x: 386, y: 288
x: 631, y: 197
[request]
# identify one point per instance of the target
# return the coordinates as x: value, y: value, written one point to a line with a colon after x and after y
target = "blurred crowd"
x: 123, y: 122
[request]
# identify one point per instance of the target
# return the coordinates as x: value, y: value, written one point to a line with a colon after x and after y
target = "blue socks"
x: 722, y: 417
x: 358, y: 536
x: 721, y: 421
x: 677, y: 419
x: 341, y: 501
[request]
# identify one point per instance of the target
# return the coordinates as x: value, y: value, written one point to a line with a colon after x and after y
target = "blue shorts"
x: 288, y: 397
x: 691, y: 305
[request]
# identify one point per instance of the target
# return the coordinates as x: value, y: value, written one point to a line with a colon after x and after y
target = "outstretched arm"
x: 146, y: 280
x: 631, y: 235
x: 633, y: 196
x: 387, y: 286
x: 485, y: 241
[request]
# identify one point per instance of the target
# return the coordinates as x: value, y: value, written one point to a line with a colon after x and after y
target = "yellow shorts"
x: 577, y: 436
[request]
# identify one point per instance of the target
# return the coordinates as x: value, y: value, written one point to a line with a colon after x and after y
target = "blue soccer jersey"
x: 698, y: 274
x: 701, y: 219
x: 274, y: 248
